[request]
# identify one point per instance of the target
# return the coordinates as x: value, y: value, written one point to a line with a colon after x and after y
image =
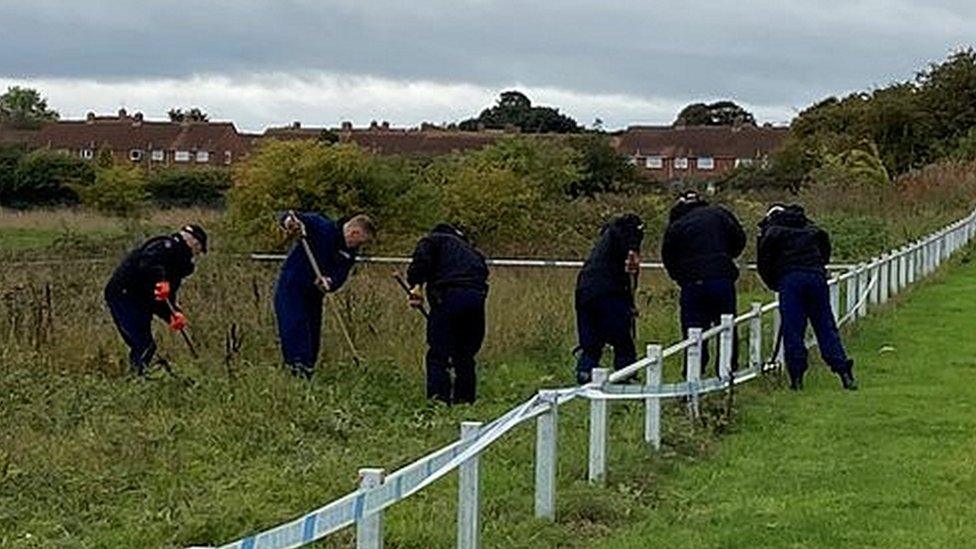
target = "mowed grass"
x: 893, y: 465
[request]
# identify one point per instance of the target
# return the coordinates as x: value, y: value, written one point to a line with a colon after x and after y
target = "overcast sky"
x: 407, y: 61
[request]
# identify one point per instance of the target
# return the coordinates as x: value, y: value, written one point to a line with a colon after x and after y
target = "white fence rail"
x: 863, y: 286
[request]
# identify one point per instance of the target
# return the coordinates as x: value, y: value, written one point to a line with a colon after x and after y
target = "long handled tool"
x: 186, y: 337
x: 406, y: 288
x: 332, y: 304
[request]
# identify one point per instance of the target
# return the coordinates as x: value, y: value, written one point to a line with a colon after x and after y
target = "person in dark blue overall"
x: 298, y: 293
x: 140, y: 287
x: 455, y: 275
x: 699, y: 249
x: 605, y: 309
x: 792, y: 255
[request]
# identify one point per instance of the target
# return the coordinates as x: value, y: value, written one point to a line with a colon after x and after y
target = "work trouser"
x: 599, y: 322
x: 804, y: 295
x: 298, y: 311
x: 455, y: 331
x: 133, y: 319
x: 703, y: 303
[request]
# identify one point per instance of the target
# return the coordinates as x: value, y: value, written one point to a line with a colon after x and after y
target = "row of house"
x: 661, y: 152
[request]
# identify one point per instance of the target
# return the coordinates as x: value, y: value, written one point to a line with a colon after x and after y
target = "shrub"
x: 45, y: 177
x: 117, y: 191
x: 182, y: 187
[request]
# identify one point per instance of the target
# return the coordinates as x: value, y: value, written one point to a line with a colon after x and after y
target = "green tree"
x: 515, y: 109
x: 549, y: 166
x: 720, y: 113
x: 45, y: 177
x: 25, y: 108
x: 947, y: 91
x: 602, y: 168
x: 181, y: 187
x: 193, y: 114
x: 119, y: 191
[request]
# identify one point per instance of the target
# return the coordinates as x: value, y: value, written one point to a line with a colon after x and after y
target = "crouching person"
x: 605, y: 309
x: 455, y: 275
x: 299, y: 290
x: 792, y: 254
x: 146, y: 283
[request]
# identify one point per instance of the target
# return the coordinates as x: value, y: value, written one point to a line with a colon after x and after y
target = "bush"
x: 117, y: 191
x: 45, y: 177
x: 10, y: 156
x: 602, y: 168
x: 311, y: 176
x: 182, y: 187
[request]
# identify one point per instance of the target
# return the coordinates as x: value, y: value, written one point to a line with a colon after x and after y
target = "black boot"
x: 847, y: 376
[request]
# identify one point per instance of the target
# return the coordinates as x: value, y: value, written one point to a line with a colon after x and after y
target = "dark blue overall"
x: 298, y: 301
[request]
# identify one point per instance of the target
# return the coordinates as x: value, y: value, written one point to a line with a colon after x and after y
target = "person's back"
x: 789, y: 241
x: 604, y: 273
x: 701, y: 243
x: 444, y: 259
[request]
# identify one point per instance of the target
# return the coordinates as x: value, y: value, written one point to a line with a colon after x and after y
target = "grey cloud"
x: 757, y: 51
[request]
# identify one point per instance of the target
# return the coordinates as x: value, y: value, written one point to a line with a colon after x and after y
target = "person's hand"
x: 293, y: 225
x: 632, y: 264
x: 416, y: 297
x: 177, y: 321
x: 161, y: 291
x: 325, y: 283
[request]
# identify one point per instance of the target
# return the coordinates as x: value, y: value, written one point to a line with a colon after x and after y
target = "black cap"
x: 199, y: 234
x: 688, y: 197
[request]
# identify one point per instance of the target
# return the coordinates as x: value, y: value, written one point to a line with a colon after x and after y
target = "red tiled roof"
x: 10, y: 136
x: 696, y: 141
x: 395, y: 141
x: 121, y: 134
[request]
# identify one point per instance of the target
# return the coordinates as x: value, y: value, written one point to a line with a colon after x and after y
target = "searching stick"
x: 186, y: 338
x: 332, y: 304
x: 406, y: 288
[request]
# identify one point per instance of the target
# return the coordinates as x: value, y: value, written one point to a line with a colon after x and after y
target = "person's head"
x: 196, y: 238
x: 689, y: 197
x: 684, y: 203
x: 358, y: 230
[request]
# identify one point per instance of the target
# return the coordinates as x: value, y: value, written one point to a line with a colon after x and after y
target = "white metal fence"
x: 862, y: 287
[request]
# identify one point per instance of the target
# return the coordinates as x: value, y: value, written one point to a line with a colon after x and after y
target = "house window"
x: 706, y: 163
x: 654, y: 162
x: 681, y: 163
x: 87, y: 154
x: 135, y: 155
x: 743, y: 162
x: 203, y: 156
x: 227, y: 157
x: 158, y: 155
x: 182, y: 156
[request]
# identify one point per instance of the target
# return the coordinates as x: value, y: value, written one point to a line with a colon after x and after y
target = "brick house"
x: 380, y: 138
x: 133, y: 140
x: 667, y: 153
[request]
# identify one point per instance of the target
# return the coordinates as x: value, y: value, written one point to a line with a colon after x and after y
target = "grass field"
x: 91, y: 458
x: 893, y: 465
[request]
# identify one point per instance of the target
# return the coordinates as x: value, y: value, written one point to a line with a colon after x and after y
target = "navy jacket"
x: 329, y: 248
x: 604, y: 272
x: 789, y: 241
x: 701, y: 243
x: 445, y: 259
x: 161, y: 258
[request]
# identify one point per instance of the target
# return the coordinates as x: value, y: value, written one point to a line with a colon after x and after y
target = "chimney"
x: 296, y: 125
x: 122, y: 114
x: 137, y: 119
x: 90, y: 117
x: 385, y: 125
x: 346, y: 126
x: 373, y: 125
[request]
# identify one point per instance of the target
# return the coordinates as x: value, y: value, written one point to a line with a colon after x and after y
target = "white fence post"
x: 369, y: 528
x: 469, y: 488
x: 875, y: 275
x: 834, y: 287
x: 598, y: 431
x: 693, y: 368
x: 912, y: 264
x: 864, y: 282
x: 851, y: 292
x: 884, y: 279
x: 652, y: 406
x: 777, y: 347
x: 545, y: 457
x: 755, y: 336
x: 726, y: 338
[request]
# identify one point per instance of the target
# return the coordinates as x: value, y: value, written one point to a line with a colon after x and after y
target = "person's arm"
x: 737, y: 235
x: 421, y: 263
x: 823, y: 243
x: 668, y: 251
x: 765, y: 259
